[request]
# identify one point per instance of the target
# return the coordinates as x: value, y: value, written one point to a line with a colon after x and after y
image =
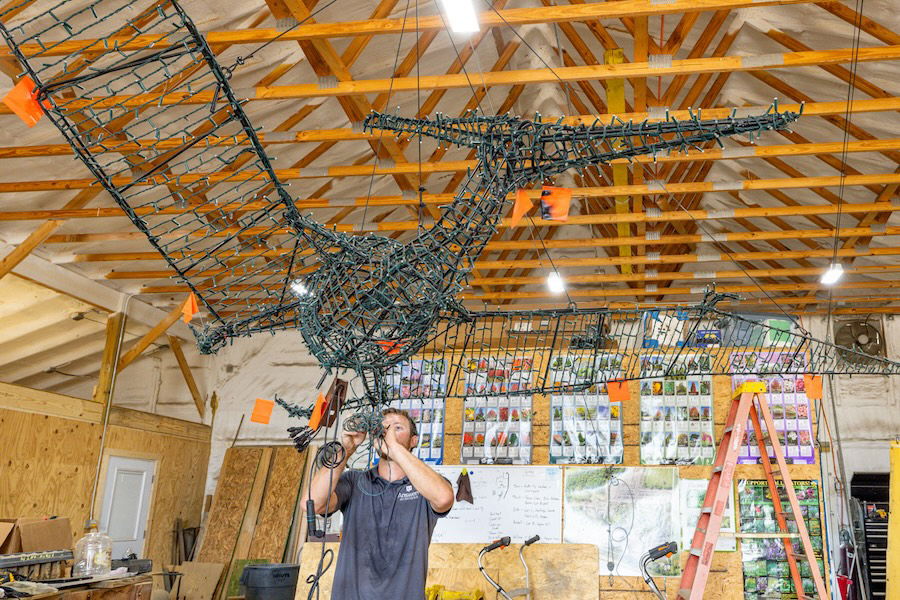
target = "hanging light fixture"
x: 555, y: 283
x: 461, y: 16
x: 833, y: 274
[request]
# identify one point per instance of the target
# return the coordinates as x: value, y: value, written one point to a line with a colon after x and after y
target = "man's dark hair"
x: 396, y: 411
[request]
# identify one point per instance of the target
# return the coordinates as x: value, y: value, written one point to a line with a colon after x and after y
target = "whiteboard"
x: 517, y: 501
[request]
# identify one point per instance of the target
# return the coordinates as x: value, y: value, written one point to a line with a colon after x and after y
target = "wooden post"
x: 108, y: 361
x: 893, y: 549
x: 199, y: 401
x: 141, y: 345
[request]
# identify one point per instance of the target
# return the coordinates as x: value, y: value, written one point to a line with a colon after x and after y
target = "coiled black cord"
x: 331, y: 455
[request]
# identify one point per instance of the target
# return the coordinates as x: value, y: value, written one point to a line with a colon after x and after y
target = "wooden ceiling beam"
x: 835, y: 119
x: 861, y: 84
x: 680, y: 291
x: 682, y: 276
x: 868, y: 25
x: 299, y: 171
x: 678, y: 82
x: 877, y: 218
x: 721, y: 64
x: 708, y: 257
x: 185, y: 368
x: 582, y: 12
x: 688, y: 275
x: 595, y: 219
x: 343, y: 135
x: 665, y: 259
x: 43, y: 231
x: 148, y: 338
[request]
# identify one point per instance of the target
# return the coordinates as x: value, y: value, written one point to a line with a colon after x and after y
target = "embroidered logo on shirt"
x: 409, y: 494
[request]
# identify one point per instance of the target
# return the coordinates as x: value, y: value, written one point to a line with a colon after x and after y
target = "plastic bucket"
x: 270, y: 582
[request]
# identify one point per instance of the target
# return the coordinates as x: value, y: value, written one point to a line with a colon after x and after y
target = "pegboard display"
x: 786, y: 395
x: 419, y: 386
x: 676, y: 410
x: 585, y: 427
x: 497, y: 430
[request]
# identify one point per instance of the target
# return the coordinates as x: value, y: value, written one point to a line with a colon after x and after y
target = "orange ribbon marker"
x: 813, y: 385
x: 190, y: 308
x: 390, y: 347
x: 555, y: 203
x: 262, y: 411
x: 521, y: 207
x: 319, y: 410
x: 22, y: 100
x: 618, y: 391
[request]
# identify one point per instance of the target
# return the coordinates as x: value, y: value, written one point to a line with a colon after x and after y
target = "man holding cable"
x: 389, y: 514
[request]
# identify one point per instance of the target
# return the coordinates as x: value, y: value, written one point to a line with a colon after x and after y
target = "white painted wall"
x: 867, y: 406
x: 259, y: 367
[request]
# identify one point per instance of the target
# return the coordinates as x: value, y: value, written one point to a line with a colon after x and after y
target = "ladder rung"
x: 717, y: 469
x: 696, y: 552
x: 706, y: 510
x: 686, y: 594
x: 728, y: 429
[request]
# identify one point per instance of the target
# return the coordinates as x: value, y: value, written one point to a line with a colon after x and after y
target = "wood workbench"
x: 138, y: 587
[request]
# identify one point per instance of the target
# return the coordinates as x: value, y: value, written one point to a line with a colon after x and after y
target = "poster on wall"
x: 791, y: 411
x: 693, y: 492
x: 624, y: 511
x: 585, y: 427
x: 419, y: 387
x: 676, y: 410
x: 766, y: 571
x: 497, y: 428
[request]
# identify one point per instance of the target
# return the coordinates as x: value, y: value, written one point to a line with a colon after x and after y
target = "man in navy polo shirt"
x: 389, y: 515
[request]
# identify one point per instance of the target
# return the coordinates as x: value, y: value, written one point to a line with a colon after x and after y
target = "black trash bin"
x: 270, y: 582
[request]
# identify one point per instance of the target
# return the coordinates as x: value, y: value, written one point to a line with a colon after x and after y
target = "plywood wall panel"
x: 48, y: 467
x: 280, y: 499
x: 178, y: 488
x: 229, y: 504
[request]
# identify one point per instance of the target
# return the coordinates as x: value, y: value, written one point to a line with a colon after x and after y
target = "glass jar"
x: 93, y: 553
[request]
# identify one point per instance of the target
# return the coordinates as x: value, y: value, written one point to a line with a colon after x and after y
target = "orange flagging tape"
x: 555, y: 203
x: 813, y: 386
x: 190, y: 308
x: 22, y: 100
x: 262, y: 411
x: 618, y: 391
x: 521, y: 207
x: 319, y: 410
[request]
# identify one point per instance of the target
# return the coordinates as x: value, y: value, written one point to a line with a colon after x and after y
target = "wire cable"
x: 848, y: 116
x: 387, y: 102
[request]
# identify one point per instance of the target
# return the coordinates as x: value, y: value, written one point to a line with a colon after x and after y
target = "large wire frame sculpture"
x: 163, y: 132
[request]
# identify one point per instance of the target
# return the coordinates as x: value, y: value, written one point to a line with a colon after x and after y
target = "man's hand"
x: 391, y: 440
x: 351, y: 440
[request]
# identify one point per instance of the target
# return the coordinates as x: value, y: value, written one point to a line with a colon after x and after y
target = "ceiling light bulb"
x: 833, y: 274
x: 461, y: 15
x: 299, y: 288
x: 555, y: 283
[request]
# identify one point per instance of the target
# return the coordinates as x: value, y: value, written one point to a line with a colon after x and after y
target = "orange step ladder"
x: 748, y: 403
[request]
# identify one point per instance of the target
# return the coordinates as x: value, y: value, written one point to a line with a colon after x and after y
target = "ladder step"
x: 696, y: 552
x: 717, y: 469
x: 728, y: 429
x: 706, y: 510
x: 686, y: 594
